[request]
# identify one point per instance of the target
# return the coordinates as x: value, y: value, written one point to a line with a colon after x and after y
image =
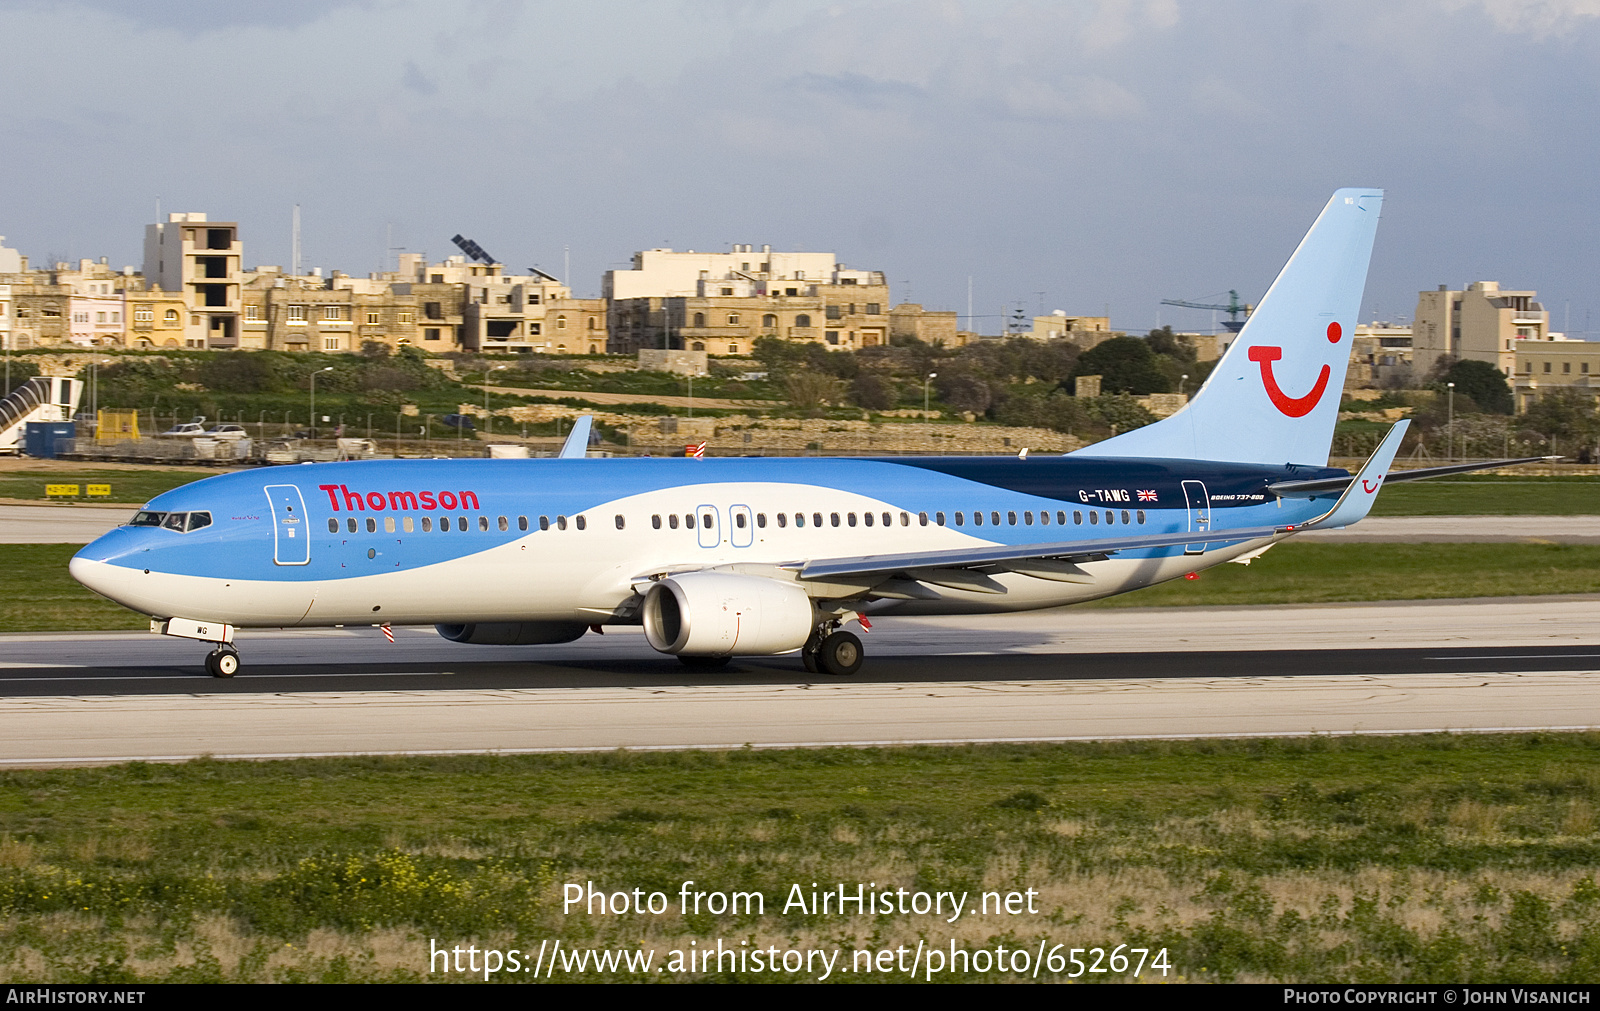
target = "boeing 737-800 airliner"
x: 749, y: 557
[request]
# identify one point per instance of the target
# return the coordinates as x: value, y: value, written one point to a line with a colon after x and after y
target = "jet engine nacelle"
x: 725, y: 614
x: 513, y: 633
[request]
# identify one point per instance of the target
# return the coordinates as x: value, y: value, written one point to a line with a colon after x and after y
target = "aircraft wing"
x: 1307, y: 489
x: 1354, y: 504
x: 1065, y: 551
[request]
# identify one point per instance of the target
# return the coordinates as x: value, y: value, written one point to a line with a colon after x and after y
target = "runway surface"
x: 1068, y: 674
x: 56, y: 524
x: 47, y: 524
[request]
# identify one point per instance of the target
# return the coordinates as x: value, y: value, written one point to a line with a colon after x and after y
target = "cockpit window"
x: 181, y: 522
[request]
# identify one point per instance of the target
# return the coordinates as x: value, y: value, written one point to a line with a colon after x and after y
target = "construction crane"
x: 1234, y: 308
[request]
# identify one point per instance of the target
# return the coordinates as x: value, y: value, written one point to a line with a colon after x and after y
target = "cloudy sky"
x: 1077, y: 154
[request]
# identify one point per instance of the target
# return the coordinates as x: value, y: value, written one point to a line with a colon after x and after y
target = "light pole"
x: 314, y: 398
x: 1181, y: 380
x: 931, y: 376
x: 488, y: 419
x: 1450, y: 426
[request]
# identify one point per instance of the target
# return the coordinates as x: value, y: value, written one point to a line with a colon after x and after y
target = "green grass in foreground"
x: 135, y: 486
x: 1294, y: 573
x: 37, y: 594
x: 1497, y: 496
x: 1444, y: 858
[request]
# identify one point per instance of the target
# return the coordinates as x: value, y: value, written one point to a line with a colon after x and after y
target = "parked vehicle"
x: 461, y: 421
x: 187, y: 430
x: 229, y: 432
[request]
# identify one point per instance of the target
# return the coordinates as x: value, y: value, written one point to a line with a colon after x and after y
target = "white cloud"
x: 1539, y: 18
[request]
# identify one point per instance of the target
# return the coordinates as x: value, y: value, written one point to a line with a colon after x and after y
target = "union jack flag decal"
x: 1147, y: 496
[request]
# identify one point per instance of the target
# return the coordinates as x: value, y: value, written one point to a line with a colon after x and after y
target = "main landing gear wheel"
x: 222, y: 663
x: 703, y: 662
x: 808, y: 652
x: 840, y: 654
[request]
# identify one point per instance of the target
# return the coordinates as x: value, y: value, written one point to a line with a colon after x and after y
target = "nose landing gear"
x: 222, y: 662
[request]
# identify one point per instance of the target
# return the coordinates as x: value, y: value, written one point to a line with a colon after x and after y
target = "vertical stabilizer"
x: 1274, y: 397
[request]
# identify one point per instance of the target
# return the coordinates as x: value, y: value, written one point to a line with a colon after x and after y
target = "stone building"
x: 721, y: 303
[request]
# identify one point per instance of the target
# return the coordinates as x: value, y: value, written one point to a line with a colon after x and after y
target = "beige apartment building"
x: 155, y: 319
x: 1544, y: 366
x: 1481, y: 321
x: 203, y: 260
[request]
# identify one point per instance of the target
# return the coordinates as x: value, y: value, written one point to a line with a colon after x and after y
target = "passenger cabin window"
x: 816, y: 520
x: 672, y: 521
x: 707, y: 522
x: 655, y: 521
x: 544, y: 523
x: 620, y: 521
x: 561, y: 523
x: 738, y: 520
x: 350, y: 524
x: 688, y: 521
x: 960, y: 518
x: 372, y: 525
x: 333, y: 525
x: 1094, y: 518
x: 461, y: 524
x: 834, y: 518
x: 977, y: 519
x: 427, y: 524
x: 583, y: 524
x: 783, y: 519
x: 505, y: 524
x: 522, y: 522
x: 1077, y: 516
x: 483, y: 523
x: 761, y: 520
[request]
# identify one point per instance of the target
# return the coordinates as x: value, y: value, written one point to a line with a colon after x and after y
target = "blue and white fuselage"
x: 467, y: 541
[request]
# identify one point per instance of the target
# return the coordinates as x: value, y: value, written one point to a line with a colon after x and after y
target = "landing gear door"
x: 710, y: 530
x: 1194, y: 492
x: 291, y: 534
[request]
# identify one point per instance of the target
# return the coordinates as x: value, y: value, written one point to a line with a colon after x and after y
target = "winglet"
x: 577, y: 445
x: 1357, y: 499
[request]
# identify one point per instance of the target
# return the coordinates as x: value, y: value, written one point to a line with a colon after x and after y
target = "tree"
x: 811, y: 390
x: 873, y: 392
x: 1480, y: 381
x: 1125, y: 365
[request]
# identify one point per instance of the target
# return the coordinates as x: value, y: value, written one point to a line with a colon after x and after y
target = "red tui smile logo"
x: 1294, y: 407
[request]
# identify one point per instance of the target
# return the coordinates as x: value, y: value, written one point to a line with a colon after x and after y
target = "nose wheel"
x: 222, y: 662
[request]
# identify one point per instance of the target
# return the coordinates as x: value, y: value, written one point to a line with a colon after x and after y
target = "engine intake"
x: 725, y: 614
x: 513, y: 633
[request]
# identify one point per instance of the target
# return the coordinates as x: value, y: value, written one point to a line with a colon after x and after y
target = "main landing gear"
x: 222, y: 662
x: 830, y: 651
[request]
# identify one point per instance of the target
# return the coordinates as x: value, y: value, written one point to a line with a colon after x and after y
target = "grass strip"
x: 1551, y: 496
x: 38, y: 595
x: 1292, y: 573
x: 133, y: 486
x: 1409, y: 859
